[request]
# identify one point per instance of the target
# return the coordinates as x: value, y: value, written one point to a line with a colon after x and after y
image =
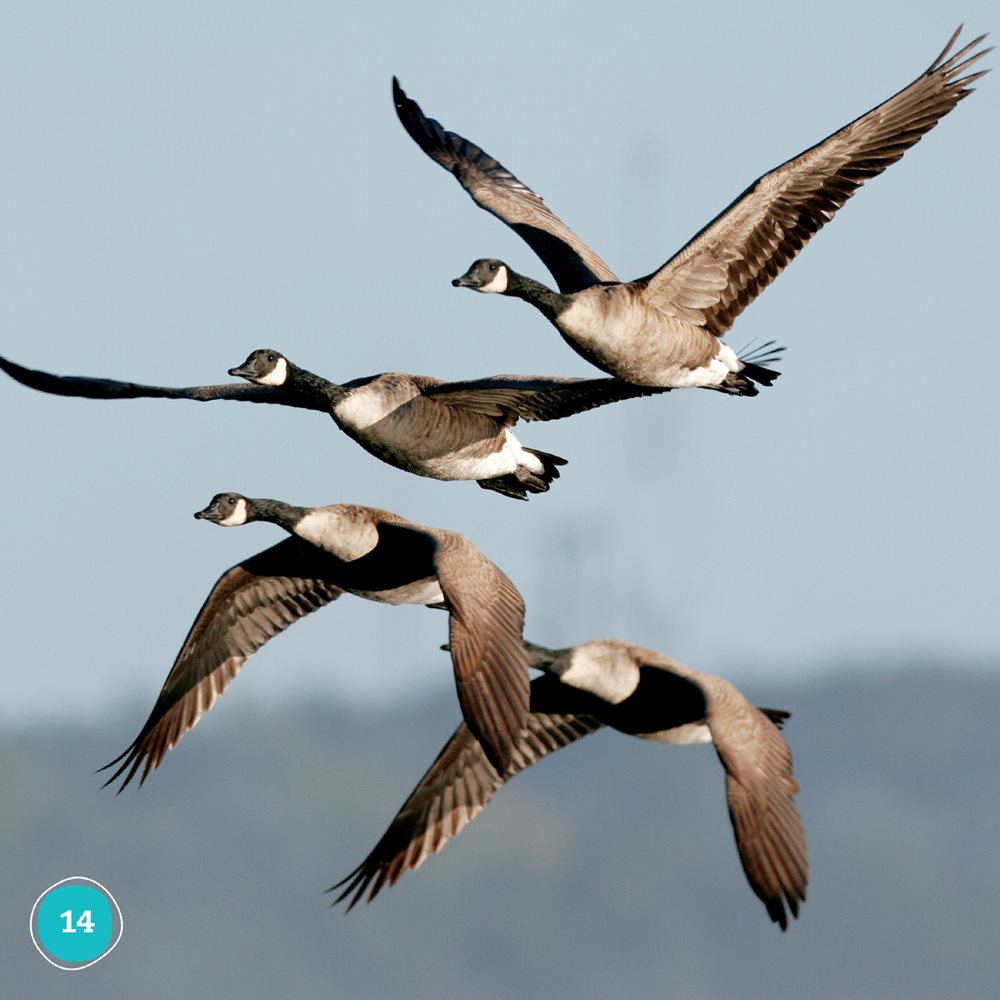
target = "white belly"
x: 694, y: 732
x: 464, y: 463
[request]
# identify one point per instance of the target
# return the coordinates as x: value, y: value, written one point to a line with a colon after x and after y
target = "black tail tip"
x: 759, y: 374
x: 755, y: 363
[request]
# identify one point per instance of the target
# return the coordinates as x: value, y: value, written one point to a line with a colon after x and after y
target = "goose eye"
x: 271, y: 357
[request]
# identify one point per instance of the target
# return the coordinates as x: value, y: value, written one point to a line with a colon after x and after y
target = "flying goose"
x: 665, y: 329
x: 334, y: 550
x: 638, y: 692
x: 442, y: 430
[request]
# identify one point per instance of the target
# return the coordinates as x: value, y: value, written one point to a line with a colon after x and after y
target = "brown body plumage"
x: 664, y: 329
x: 641, y: 693
x: 339, y: 549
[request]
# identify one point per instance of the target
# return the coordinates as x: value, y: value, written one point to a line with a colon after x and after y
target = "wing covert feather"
x: 738, y: 254
x: 530, y: 397
x: 106, y: 388
x: 760, y: 791
x: 487, y: 648
x: 455, y: 789
x: 250, y: 603
x: 493, y: 187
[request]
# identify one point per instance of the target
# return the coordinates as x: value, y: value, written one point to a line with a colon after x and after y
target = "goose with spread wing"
x: 638, y: 692
x: 344, y: 548
x: 442, y: 430
x: 666, y: 328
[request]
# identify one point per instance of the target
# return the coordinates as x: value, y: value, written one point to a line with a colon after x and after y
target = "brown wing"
x: 509, y: 397
x: 733, y: 259
x: 760, y: 790
x: 106, y: 388
x: 249, y: 604
x: 493, y: 187
x: 451, y: 794
x: 487, y: 649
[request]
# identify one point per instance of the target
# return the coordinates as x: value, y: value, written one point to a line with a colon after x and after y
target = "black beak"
x: 210, y: 513
x: 244, y: 371
x: 468, y: 280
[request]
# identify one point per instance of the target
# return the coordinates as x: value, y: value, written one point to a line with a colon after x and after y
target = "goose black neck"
x: 547, y: 301
x: 540, y: 657
x: 285, y: 515
x: 305, y: 383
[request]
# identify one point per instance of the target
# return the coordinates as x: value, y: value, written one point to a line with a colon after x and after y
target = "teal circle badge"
x: 75, y: 923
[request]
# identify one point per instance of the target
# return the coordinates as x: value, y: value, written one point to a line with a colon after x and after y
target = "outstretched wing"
x: 736, y: 256
x: 487, y: 647
x: 106, y: 388
x: 509, y: 397
x: 493, y: 187
x: 249, y: 604
x: 455, y: 789
x: 760, y: 790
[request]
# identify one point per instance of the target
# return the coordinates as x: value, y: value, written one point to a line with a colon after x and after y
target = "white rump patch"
x: 522, y: 456
x: 237, y: 517
x: 714, y: 373
x: 506, y: 460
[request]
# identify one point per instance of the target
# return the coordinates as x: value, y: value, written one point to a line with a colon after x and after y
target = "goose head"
x: 485, y: 275
x: 263, y: 367
x: 228, y: 510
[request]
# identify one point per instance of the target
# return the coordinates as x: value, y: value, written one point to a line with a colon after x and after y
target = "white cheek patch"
x: 496, y: 284
x: 277, y: 376
x: 237, y: 517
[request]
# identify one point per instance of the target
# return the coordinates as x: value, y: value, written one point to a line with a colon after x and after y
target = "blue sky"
x: 182, y: 184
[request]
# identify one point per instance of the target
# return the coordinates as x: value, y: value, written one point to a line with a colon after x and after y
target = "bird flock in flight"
x: 650, y: 335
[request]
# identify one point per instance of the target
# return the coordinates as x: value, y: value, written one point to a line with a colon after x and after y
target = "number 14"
x: 86, y: 921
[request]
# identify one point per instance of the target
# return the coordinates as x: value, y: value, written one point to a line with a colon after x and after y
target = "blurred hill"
x: 608, y: 870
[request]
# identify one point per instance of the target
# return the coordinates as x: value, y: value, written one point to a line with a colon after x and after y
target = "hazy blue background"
x: 607, y: 871
x: 183, y: 183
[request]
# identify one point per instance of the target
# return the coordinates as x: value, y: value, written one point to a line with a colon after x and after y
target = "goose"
x: 638, y: 692
x: 344, y: 548
x: 441, y: 430
x: 666, y: 328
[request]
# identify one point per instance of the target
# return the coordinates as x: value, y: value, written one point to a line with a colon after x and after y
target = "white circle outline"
x: 104, y: 954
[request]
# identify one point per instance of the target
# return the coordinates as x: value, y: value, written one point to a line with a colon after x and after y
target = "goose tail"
x: 777, y: 715
x: 754, y: 371
x: 527, y: 480
x: 756, y: 360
